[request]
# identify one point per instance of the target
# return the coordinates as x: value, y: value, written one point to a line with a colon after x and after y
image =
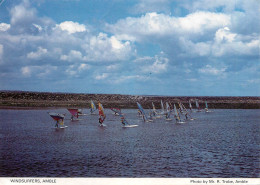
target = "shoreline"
x: 45, y: 100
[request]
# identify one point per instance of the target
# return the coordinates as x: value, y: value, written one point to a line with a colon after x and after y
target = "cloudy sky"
x: 151, y: 47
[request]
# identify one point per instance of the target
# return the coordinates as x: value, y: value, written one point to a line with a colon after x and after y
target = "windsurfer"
x: 100, y: 120
x: 122, y: 121
x: 186, y: 116
x: 57, y: 124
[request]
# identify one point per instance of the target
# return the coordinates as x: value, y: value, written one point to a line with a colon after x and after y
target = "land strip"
x: 24, y: 99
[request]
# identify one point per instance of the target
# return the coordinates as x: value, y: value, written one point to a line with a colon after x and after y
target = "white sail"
x: 168, y: 112
x: 162, y: 107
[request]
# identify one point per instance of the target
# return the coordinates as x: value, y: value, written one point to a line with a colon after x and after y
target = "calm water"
x: 224, y: 143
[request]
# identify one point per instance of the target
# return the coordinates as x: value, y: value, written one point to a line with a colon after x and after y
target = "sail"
x: 197, y: 105
x: 154, y: 112
x: 142, y: 111
x: 102, y: 115
x: 74, y: 112
x: 116, y: 110
x: 206, y: 104
x: 57, y: 116
x: 93, y: 106
x: 154, y: 109
x: 168, y: 111
x: 162, y: 107
x: 176, y: 113
x: 181, y: 108
x: 190, y: 105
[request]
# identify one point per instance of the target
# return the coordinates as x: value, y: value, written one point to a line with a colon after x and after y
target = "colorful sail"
x: 59, y: 118
x: 142, y: 111
x: 74, y: 113
x: 117, y: 111
x: 101, y: 112
x: 93, y: 106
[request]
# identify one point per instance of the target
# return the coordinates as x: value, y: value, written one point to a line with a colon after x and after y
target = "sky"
x: 135, y: 47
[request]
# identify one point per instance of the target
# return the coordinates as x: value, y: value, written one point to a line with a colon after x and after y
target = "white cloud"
x: 73, y: 56
x: 39, y: 71
x: 151, y: 5
x: 26, y: 71
x: 208, y: 69
x: 4, y: 26
x: 161, y: 25
x: 22, y: 13
x: 83, y: 67
x: 160, y: 65
x: 38, y: 27
x: 38, y: 54
x: 104, y: 48
x: 72, y: 27
x: 228, y: 43
x: 101, y: 76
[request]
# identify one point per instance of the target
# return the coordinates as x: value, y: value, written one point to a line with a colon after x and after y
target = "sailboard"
x: 206, y: 107
x: 102, y: 115
x: 162, y: 108
x: 92, y: 107
x: 59, y: 118
x: 198, y: 106
x: 154, y: 112
x: 186, y: 113
x: 168, y: 112
x: 177, y: 116
x: 190, y: 105
x: 74, y: 114
x: 116, y: 111
x: 125, y: 123
x: 142, y: 112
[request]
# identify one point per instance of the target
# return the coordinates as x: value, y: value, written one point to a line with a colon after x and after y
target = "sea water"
x: 223, y: 143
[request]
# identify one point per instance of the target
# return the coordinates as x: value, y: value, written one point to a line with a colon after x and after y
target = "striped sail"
x: 93, y: 106
x: 101, y: 112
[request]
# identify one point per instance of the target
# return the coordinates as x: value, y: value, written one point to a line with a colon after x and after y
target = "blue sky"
x: 148, y: 47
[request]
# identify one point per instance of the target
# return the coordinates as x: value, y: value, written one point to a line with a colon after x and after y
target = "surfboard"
x: 129, y: 126
x: 62, y: 127
x: 181, y: 122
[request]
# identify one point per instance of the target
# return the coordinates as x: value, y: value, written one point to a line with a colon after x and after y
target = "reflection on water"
x: 224, y: 143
